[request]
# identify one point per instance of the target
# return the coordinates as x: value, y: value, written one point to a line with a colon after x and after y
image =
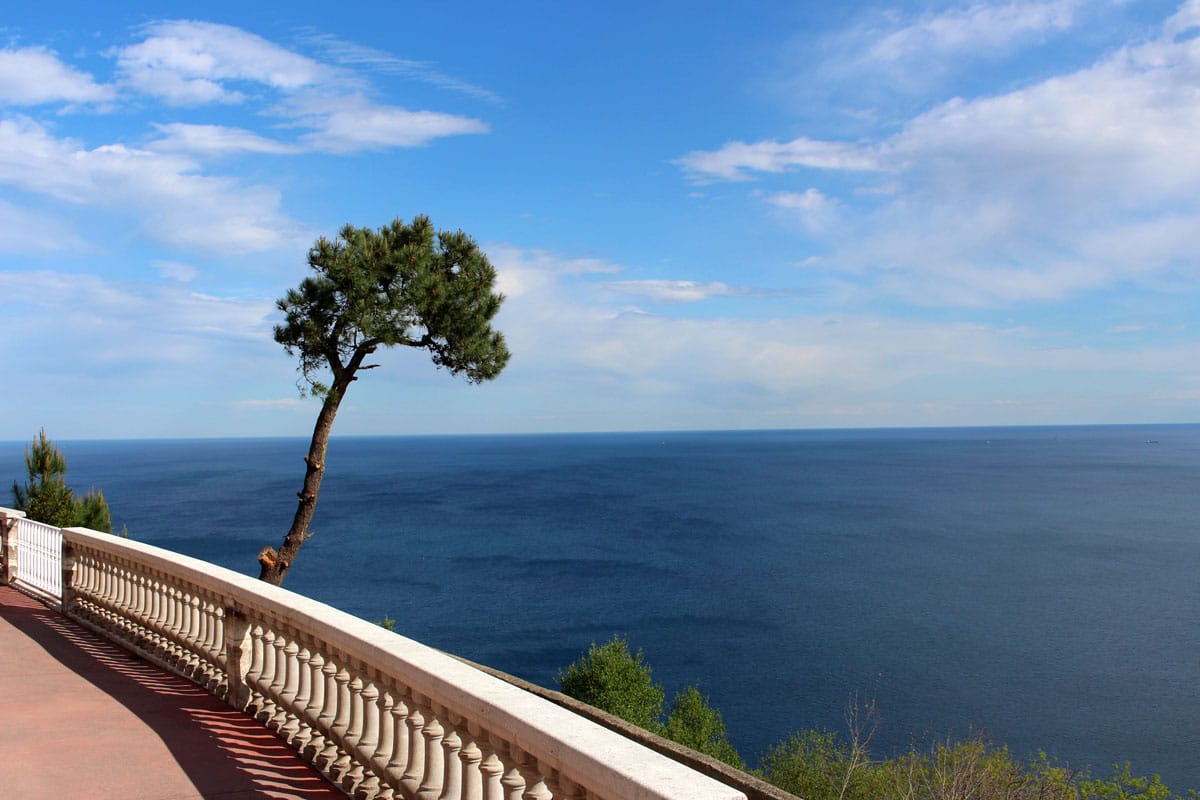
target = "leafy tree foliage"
x: 809, y: 764
x: 612, y: 678
x: 45, y: 497
x: 404, y: 285
x: 694, y: 723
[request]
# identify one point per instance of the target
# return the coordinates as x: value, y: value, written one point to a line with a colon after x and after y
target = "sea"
x: 1036, y: 586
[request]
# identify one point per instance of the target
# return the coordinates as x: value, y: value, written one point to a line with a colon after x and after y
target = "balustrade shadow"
x: 221, y: 751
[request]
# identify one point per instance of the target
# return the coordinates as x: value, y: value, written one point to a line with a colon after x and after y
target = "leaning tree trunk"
x: 273, y: 563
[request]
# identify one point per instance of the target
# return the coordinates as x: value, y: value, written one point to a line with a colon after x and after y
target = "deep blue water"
x: 1041, y: 585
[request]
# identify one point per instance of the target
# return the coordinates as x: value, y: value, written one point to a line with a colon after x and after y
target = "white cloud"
x: 979, y: 27
x: 138, y: 359
x: 352, y: 123
x: 522, y: 271
x: 353, y: 54
x: 736, y: 161
x: 186, y: 62
x: 216, y: 140
x: 34, y: 76
x: 131, y: 325
x: 1074, y: 183
x: 796, y: 370
x: 176, y: 271
x: 665, y: 291
x: 29, y: 232
x: 816, y: 211
x: 273, y: 405
x: 1185, y: 19
x: 176, y: 204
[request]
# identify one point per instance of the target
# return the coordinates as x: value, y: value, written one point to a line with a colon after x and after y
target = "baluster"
x: 399, y: 757
x: 111, y: 596
x: 154, y: 618
x: 535, y: 781
x: 341, y: 723
x: 550, y: 779
x: 415, y: 771
x: 328, y: 754
x: 431, y: 784
x: 354, y: 731
x: 93, y: 578
x: 98, y: 597
x: 365, y: 737
x: 267, y: 709
x: 377, y: 781
x: 471, y: 756
x: 291, y: 687
x: 123, y: 609
x: 114, y: 597
x: 514, y: 783
x: 137, y: 601
x: 570, y: 790
x: 188, y: 625
x: 189, y: 632
x: 278, y: 680
x: 204, y: 630
x: 452, y: 745
x: 217, y: 674
x: 137, y: 611
x: 168, y: 622
x: 172, y: 625
x: 298, y: 736
x: 315, y: 736
x: 153, y: 601
x: 89, y: 578
x: 493, y: 768
x: 165, y: 621
x: 254, y: 698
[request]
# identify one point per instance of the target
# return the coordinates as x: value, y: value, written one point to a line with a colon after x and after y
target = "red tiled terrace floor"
x: 82, y: 717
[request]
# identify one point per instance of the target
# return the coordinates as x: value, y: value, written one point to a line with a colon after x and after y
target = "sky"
x: 703, y: 215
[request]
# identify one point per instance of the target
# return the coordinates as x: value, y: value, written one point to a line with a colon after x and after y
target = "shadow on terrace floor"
x: 84, y: 718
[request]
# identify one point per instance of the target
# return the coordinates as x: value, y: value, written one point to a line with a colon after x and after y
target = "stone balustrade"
x: 383, y: 716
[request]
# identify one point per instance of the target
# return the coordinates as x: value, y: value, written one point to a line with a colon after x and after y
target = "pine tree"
x: 403, y: 285
x: 45, y: 497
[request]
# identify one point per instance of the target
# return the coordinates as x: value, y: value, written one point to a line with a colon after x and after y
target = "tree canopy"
x: 403, y: 285
x: 45, y: 497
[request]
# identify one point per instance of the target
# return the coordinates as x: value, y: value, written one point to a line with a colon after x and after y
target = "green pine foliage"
x: 403, y: 285
x: 45, y: 497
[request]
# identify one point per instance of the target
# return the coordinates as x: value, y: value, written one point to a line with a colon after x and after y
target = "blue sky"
x: 703, y: 214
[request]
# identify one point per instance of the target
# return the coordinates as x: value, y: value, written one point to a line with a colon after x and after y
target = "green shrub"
x: 611, y: 678
x: 696, y: 724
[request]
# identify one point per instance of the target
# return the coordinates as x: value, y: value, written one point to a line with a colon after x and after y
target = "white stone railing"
x: 383, y: 716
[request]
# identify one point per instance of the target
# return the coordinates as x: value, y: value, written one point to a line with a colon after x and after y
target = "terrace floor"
x: 83, y: 718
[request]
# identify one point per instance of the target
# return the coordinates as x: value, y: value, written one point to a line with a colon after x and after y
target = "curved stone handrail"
x: 384, y: 716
